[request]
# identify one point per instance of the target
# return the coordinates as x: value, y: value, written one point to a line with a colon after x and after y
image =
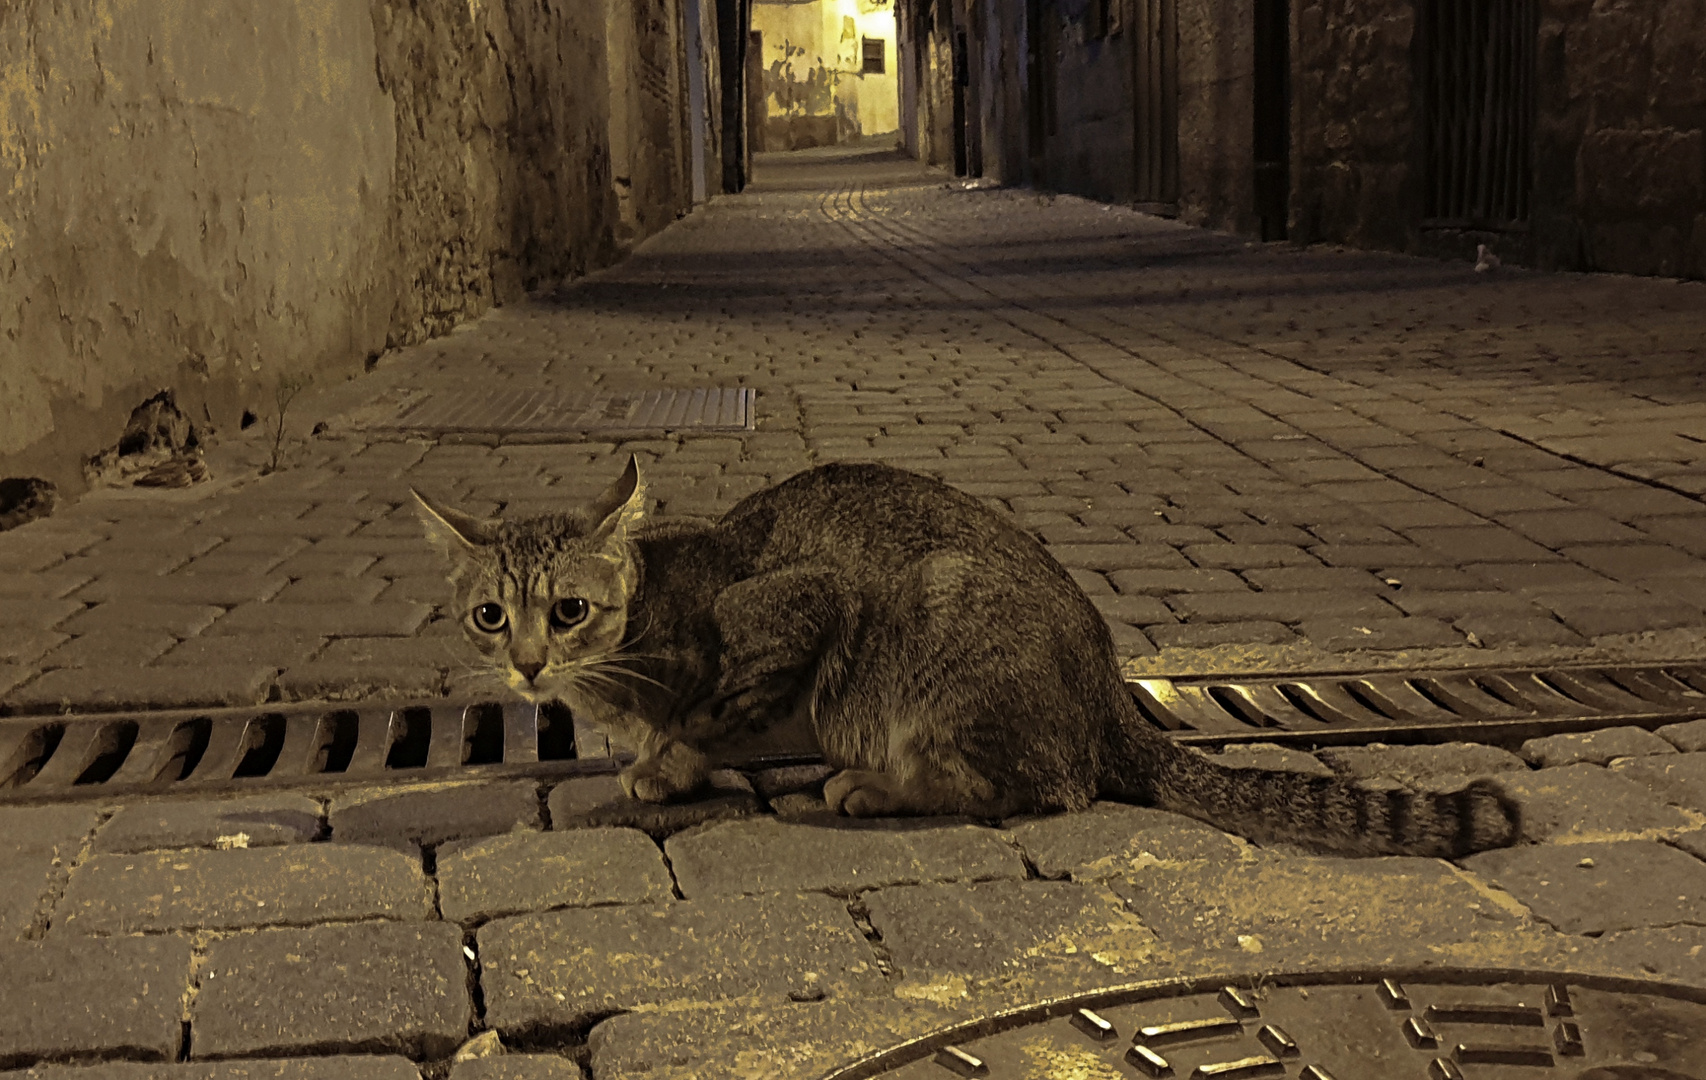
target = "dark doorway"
x: 732, y: 20
x: 962, y: 79
x: 1156, y: 40
x: 1039, y: 89
x: 1477, y: 88
x: 1273, y: 116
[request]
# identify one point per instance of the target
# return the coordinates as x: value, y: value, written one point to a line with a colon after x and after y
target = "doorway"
x: 1156, y: 39
x: 1273, y: 116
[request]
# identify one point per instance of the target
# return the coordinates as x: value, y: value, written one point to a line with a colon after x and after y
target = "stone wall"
x: 210, y: 194
x: 1621, y: 146
x: 1090, y: 150
x: 1353, y: 125
x: 1216, y: 114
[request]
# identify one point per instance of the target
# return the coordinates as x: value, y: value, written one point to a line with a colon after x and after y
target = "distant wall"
x: 815, y: 90
x: 209, y: 194
x: 1216, y: 114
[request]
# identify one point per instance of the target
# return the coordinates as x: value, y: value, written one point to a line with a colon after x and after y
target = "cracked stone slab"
x: 223, y: 890
x: 1113, y: 838
x: 1268, y: 756
x: 93, y: 996
x: 1595, y: 887
x: 1299, y: 909
x: 765, y: 855
x: 1427, y: 768
x: 249, y: 821
x: 355, y: 1067
x: 599, y: 800
x: 1593, y: 747
x: 386, y: 987
x: 743, y: 1041
x: 1676, y: 953
x: 560, y: 969
x: 1678, y: 779
x: 1587, y: 801
x: 1689, y: 736
x: 1042, y: 938
x: 520, y: 872
x: 430, y: 814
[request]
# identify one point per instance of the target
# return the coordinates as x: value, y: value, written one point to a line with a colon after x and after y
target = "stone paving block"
x: 1556, y: 528
x: 1209, y: 635
x: 19, y: 585
x: 1305, y: 909
x: 1110, y: 557
x: 557, y: 970
x: 1585, y: 802
x: 28, y: 645
x: 1672, y: 953
x: 332, y: 681
x: 1053, y: 934
x: 1626, y: 562
x: 1168, y: 582
x: 330, y: 590
x: 1276, y: 606
x: 1678, y: 779
x: 1314, y: 578
x: 1442, y: 767
x: 517, y: 1067
x: 279, y: 817
x: 1352, y: 634
x: 1596, y: 887
x: 599, y: 800
x: 312, y: 563
x: 1247, y: 556
x: 744, y: 1041
x: 434, y: 651
x: 271, y: 651
x: 160, y: 685
x: 37, y: 614
x: 378, y: 619
x: 1133, y: 610
x: 195, y: 589
x: 529, y: 871
x: 386, y: 987
x: 765, y: 855
x: 1544, y: 577
x: 1451, y: 605
x: 1594, y: 616
x: 1091, y: 582
x: 27, y: 881
x: 1593, y: 747
x: 108, y: 647
x: 213, y: 890
x: 1688, y: 736
x: 1380, y: 556
x: 54, y: 830
x: 1270, y: 756
x: 179, y: 620
x: 1113, y: 838
x: 355, y: 1067
x: 1497, y: 630
x: 429, y: 814
x: 94, y: 997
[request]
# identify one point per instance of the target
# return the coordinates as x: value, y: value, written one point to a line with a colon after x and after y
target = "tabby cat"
x: 944, y: 661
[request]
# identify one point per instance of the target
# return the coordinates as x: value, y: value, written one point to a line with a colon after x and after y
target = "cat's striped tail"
x: 1326, y: 813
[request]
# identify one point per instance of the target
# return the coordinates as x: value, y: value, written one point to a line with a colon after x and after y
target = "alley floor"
x: 1253, y: 458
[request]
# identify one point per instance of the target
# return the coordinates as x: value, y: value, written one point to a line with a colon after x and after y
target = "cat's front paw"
x: 678, y: 771
x: 860, y: 793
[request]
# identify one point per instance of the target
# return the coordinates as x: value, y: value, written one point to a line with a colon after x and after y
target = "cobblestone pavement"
x: 1252, y: 457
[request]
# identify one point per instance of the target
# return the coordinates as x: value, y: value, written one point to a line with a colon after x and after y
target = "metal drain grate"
x: 1433, y: 1025
x: 538, y: 410
x: 95, y: 756
x: 1494, y: 706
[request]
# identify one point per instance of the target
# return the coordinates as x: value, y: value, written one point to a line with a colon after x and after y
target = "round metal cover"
x: 1434, y: 1025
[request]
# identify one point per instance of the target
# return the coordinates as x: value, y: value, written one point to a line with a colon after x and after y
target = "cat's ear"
x: 622, y: 504
x: 450, y: 529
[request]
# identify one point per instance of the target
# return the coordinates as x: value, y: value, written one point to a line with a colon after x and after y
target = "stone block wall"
x: 1621, y: 145
x: 1217, y: 114
x: 210, y: 194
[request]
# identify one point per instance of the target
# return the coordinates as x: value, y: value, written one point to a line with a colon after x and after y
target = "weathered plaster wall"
x: 208, y: 194
x: 1090, y: 152
x: 815, y: 90
x: 1621, y: 144
x: 1217, y: 114
x: 1353, y: 122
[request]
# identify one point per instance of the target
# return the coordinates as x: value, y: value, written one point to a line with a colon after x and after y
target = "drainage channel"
x: 85, y: 756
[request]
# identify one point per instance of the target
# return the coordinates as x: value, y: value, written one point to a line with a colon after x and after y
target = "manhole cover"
x: 543, y: 410
x: 1437, y: 1025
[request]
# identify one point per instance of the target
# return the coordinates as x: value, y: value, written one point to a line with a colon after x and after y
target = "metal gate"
x: 1477, y: 89
x: 1156, y: 38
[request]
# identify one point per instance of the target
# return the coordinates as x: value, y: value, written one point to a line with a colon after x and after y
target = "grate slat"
x: 1403, y: 701
x: 225, y: 748
x: 79, y: 746
x: 376, y: 731
x: 143, y: 764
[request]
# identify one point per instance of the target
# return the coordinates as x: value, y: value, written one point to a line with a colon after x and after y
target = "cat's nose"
x: 530, y: 670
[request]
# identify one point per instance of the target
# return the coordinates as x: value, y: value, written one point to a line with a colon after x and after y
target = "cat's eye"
x: 567, y: 613
x: 490, y: 617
